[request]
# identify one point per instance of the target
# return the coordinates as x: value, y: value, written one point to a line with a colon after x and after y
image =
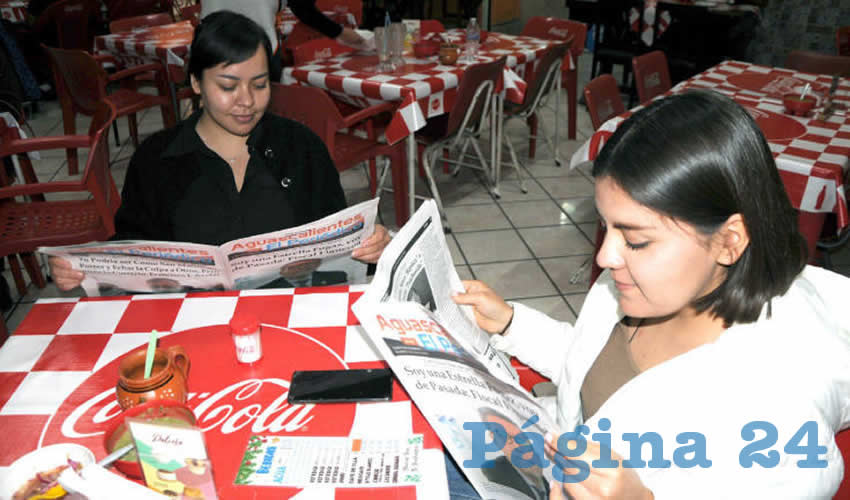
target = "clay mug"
x: 167, y: 381
x: 448, y: 54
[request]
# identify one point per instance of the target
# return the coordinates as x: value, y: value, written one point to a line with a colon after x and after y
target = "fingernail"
x: 550, y: 437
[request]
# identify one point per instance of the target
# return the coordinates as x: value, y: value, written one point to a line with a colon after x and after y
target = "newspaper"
x: 313, y: 254
x: 446, y: 364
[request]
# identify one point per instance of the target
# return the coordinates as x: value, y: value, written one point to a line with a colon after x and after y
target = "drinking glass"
x: 382, y: 46
x: 397, y: 34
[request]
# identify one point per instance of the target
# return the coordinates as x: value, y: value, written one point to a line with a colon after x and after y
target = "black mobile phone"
x: 341, y: 386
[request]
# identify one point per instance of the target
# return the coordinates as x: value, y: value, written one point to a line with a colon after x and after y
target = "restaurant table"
x: 59, y: 369
x: 14, y: 10
x: 285, y: 20
x: 167, y: 44
x: 811, y: 155
x: 651, y: 28
x: 424, y: 88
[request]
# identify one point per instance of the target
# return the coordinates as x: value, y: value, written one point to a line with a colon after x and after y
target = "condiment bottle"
x: 246, y: 329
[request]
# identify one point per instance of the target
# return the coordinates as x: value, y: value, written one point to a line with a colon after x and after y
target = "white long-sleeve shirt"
x: 788, y: 369
x: 262, y: 12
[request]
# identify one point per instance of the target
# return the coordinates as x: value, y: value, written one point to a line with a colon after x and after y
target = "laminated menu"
x: 350, y: 462
x: 174, y: 459
x: 314, y: 254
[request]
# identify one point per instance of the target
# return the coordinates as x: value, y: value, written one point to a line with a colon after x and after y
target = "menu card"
x: 331, y: 461
x: 174, y: 459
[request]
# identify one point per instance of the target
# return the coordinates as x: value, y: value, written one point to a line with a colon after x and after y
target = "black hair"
x: 226, y: 37
x: 699, y: 158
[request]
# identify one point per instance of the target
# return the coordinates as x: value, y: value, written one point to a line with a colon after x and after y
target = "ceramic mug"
x: 167, y: 381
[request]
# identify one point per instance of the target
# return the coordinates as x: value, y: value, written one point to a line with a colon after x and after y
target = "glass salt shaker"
x: 245, y: 329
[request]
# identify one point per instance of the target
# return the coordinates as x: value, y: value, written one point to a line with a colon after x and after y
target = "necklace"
x: 231, y: 161
x: 640, y: 323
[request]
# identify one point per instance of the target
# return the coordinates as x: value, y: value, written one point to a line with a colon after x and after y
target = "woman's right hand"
x: 492, y: 313
x: 63, y: 274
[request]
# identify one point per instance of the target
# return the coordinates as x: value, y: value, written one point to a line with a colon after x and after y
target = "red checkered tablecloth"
x: 14, y: 10
x: 424, y: 87
x: 286, y: 20
x: 168, y: 44
x: 58, y: 374
x: 813, y: 156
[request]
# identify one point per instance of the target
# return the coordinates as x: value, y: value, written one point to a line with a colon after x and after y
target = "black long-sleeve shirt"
x: 307, y: 12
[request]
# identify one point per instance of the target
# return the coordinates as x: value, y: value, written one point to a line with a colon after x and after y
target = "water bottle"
x: 473, y: 39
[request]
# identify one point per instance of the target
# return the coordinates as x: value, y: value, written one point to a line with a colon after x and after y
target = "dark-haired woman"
x: 705, y: 333
x: 230, y: 170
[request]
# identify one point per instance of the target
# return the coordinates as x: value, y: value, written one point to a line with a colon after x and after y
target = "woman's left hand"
x: 372, y: 247
x: 614, y: 483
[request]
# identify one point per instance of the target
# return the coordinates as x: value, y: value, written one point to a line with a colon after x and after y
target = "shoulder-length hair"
x: 225, y: 37
x: 699, y: 158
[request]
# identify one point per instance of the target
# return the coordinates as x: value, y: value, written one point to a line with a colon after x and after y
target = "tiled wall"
x: 797, y: 24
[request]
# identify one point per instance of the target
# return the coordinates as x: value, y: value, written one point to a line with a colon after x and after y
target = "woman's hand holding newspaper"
x: 492, y: 313
x: 63, y: 274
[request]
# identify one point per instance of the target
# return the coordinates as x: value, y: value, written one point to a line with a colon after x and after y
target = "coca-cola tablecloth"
x: 59, y: 369
x: 167, y: 43
x: 812, y: 155
x: 424, y: 87
x: 13, y: 10
x: 285, y: 20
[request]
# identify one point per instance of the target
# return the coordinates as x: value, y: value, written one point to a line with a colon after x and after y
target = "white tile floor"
x: 527, y: 246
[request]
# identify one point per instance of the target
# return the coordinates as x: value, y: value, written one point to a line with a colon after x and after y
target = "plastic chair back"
x: 310, y: 106
x: 133, y: 8
x: 72, y: 21
x: 80, y: 80
x: 603, y: 99
x: 131, y: 23
x: 553, y: 28
x: 192, y: 13
x: 842, y: 439
x: 652, y: 75
x: 427, y: 26
x: 543, y: 78
x: 815, y: 62
x: 320, y: 48
x: 301, y: 33
x: 842, y: 41
x: 354, y: 7
x: 469, y: 109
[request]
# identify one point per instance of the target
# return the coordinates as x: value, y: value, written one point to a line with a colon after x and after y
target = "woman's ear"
x: 734, y: 239
x: 196, y: 85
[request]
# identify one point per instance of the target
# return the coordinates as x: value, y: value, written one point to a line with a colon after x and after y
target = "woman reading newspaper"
x: 231, y: 169
x: 705, y: 333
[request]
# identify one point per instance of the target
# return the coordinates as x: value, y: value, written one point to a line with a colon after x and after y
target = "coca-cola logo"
x: 231, y: 401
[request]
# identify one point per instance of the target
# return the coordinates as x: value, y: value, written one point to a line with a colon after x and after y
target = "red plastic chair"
x: 72, y: 22
x: 427, y: 26
x: 28, y: 220
x: 842, y: 439
x: 192, y: 13
x: 815, y: 62
x: 602, y: 95
x: 121, y: 9
x: 652, y: 75
x: 551, y: 28
x: 81, y: 86
x: 313, y: 107
x: 131, y: 23
x: 354, y: 7
x: 321, y: 48
x: 842, y: 41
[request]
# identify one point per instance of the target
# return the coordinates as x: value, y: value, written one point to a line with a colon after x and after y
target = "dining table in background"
x: 13, y: 10
x: 812, y: 155
x: 655, y: 17
x: 423, y: 88
x: 58, y: 373
x: 167, y: 44
x: 285, y: 20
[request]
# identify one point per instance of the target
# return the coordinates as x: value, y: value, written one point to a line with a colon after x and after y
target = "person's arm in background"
x: 307, y: 12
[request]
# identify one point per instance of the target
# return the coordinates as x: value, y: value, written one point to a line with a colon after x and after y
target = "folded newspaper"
x: 446, y: 364
x: 313, y: 254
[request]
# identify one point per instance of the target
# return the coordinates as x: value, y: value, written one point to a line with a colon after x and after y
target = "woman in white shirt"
x: 706, y: 327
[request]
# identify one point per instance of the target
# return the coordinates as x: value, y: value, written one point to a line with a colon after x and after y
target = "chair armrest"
x: 135, y: 70
x: 21, y: 146
x: 107, y: 58
x: 40, y: 188
x: 369, y: 112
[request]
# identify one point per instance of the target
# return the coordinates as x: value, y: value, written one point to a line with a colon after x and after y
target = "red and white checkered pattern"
x: 813, y: 164
x: 286, y: 20
x: 63, y: 342
x: 14, y: 10
x: 650, y: 9
x: 427, y: 92
x: 168, y: 44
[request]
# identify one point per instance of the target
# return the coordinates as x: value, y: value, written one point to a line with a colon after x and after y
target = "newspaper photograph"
x: 417, y: 267
x: 452, y: 386
x: 314, y: 254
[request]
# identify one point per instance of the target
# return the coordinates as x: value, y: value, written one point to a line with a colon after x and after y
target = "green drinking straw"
x: 151, y: 351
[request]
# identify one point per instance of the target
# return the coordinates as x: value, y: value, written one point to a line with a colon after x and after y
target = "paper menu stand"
x: 174, y: 459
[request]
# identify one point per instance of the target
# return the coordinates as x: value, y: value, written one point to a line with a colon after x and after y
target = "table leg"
x: 500, y: 103
x: 411, y: 172
x: 557, y: 151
